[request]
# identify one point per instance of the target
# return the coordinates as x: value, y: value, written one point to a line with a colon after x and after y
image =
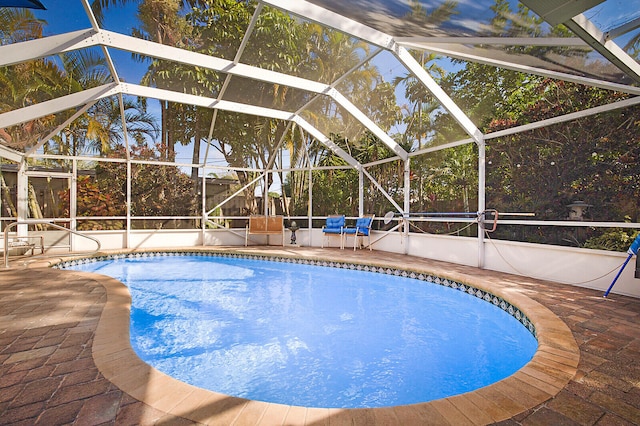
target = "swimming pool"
x: 361, y: 330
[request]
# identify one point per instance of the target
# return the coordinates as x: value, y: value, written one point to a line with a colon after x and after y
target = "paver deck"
x: 65, y: 358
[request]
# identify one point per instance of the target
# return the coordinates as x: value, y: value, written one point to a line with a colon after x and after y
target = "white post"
x: 128, y: 207
x: 73, y: 202
x: 310, y: 204
x: 203, y: 200
x: 481, y: 200
x: 265, y: 193
x: 22, y: 197
x: 360, y: 192
x: 407, y: 202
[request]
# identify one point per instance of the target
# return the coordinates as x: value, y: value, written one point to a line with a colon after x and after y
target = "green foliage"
x: 156, y: 190
x: 19, y: 24
x: 446, y: 180
x: 94, y: 201
x: 335, y: 192
x: 594, y: 158
x: 613, y: 240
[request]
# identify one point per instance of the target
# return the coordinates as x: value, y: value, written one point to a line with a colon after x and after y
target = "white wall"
x: 573, y: 266
x: 567, y: 265
x: 109, y: 240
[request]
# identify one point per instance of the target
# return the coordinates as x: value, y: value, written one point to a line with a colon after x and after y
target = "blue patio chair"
x: 334, y: 225
x: 361, y: 230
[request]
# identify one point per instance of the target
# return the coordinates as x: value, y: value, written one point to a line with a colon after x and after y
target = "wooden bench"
x: 265, y: 225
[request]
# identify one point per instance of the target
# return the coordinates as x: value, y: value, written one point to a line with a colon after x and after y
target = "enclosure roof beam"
x: 39, y: 48
x: 421, y: 74
x: 57, y: 105
x: 625, y: 103
x: 497, y: 41
x: 175, y: 54
x: 227, y: 80
x: 586, y: 30
x: 81, y: 98
x: 83, y: 39
x: 168, y: 95
x: 90, y: 15
x: 369, y: 124
x: 63, y: 103
x: 105, y: 51
x: 622, y: 29
x: 320, y: 137
x: 444, y: 50
x: 202, y: 101
x: 378, y: 38
x: 16, y: 53
x: 331, y: 19
x: 58, y: 129
x: 443, y: 146
x: 247, y: 71
x: 10, y: 154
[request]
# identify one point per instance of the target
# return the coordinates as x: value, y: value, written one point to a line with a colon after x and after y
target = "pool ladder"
x: 8, y: 246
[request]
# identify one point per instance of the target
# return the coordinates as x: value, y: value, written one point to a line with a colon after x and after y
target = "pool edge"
x: 552, y: 367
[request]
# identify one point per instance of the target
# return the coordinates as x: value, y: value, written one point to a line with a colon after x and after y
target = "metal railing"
x: 47, y: 223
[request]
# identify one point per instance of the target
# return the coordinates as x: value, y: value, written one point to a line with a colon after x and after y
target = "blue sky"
x: 69, y: 15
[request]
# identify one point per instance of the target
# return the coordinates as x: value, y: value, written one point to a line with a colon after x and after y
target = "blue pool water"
x: 312, y: 335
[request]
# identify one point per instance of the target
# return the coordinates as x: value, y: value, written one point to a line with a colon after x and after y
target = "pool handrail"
x: 42, y: 222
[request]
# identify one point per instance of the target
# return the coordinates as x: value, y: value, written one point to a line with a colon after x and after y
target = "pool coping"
x: 552, y: 367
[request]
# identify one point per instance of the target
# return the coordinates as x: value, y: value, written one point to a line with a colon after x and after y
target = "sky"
x: 69, y: 15
x: 612, y: 13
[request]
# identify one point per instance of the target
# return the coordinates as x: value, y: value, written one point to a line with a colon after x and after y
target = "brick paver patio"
x: 48, y: 321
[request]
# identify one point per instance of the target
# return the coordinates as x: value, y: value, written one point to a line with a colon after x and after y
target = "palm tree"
x: 26, y: 83
x: 100, y: 129
x: 18, y: 24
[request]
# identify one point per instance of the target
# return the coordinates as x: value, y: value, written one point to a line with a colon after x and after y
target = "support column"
x: 22, y: 197
x: 128, y: 207
x: 310, y: 205
x: 203, y: 200
x: 73, y: 202
x: 360, y: 192
x: 407, y: 202
x: 481, y: 200
x: 265, y: 193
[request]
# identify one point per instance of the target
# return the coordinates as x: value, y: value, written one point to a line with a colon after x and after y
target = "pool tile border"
x: 552, y: 367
